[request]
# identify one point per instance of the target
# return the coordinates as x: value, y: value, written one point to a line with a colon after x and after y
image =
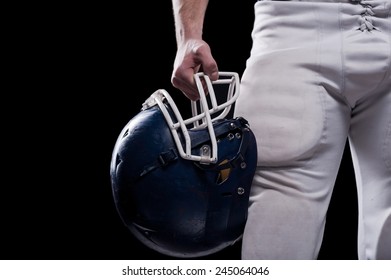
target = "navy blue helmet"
x: 182, y: 186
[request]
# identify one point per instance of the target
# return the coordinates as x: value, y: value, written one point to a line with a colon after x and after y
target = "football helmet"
x: 181, y: 185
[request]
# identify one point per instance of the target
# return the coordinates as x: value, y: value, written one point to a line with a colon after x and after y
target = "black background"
x: 79, y: 75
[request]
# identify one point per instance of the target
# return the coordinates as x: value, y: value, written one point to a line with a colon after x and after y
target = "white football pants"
x: 318, y: 74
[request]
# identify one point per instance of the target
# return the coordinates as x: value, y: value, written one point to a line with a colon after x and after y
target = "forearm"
x: 189, y: 19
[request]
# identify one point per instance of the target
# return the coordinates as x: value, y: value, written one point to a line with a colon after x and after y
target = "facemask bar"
x: 199, y: 119
x: 228, y: 78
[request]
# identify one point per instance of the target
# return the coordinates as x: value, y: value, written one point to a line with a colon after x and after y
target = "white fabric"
x: 318, y: 74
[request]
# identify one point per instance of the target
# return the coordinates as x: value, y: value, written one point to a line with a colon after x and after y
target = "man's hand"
x: 193, y: 56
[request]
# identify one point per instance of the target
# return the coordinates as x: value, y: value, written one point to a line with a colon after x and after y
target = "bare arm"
x: 193, y: 53
x: 189, y: 18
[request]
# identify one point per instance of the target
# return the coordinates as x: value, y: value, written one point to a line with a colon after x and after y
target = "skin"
x: 193, y: 53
